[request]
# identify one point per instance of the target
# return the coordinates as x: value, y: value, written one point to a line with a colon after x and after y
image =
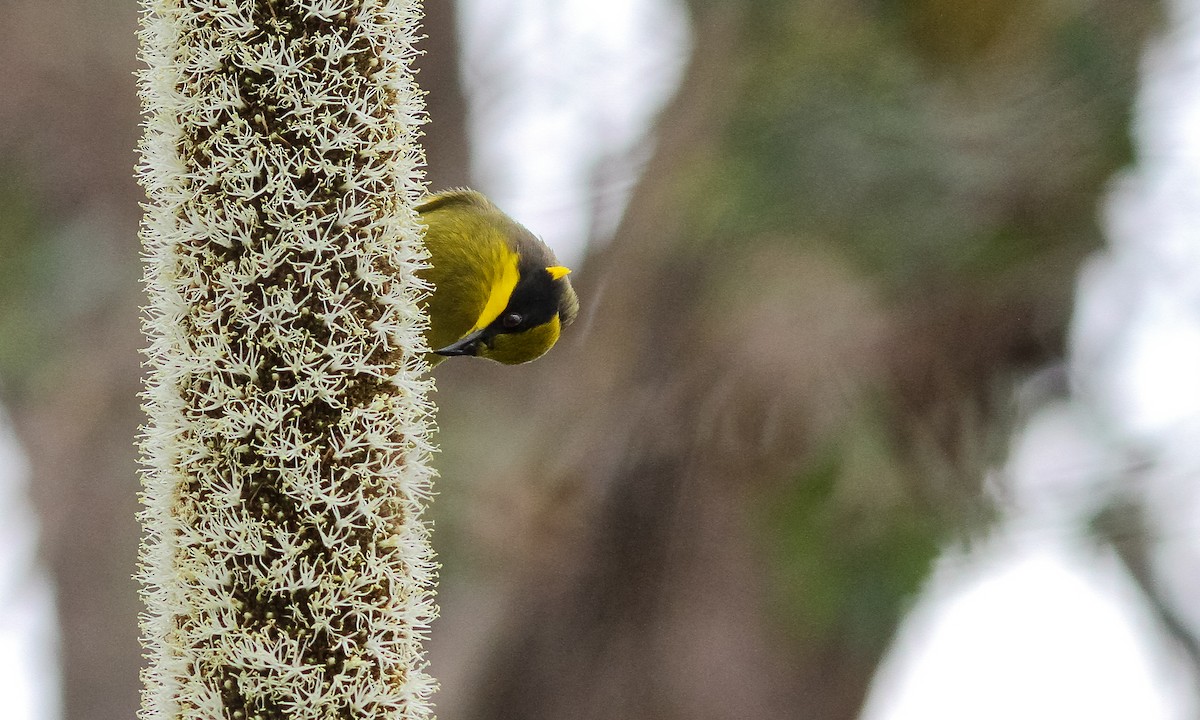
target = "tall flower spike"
x: 285, y: 568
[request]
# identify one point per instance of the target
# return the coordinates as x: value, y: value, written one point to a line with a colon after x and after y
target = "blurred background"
x: 883, y: 403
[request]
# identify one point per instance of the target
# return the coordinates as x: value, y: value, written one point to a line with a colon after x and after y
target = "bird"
x: 497, y: 291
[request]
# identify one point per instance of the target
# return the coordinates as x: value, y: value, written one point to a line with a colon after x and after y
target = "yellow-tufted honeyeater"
x: 498, y: 292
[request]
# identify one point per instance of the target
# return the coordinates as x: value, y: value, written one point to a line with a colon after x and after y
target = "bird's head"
x: 523, y: 318
x: 498, y: 291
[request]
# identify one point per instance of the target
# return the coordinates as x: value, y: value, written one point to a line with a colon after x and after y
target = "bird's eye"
x: 511, y: 320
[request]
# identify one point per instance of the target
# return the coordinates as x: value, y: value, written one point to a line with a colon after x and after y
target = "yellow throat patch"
x: 502, y: 290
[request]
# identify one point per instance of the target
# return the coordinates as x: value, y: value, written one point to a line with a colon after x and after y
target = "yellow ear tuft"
x: 558, y: 271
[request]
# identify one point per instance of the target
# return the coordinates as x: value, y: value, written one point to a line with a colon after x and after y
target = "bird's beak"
x: 467, y: 345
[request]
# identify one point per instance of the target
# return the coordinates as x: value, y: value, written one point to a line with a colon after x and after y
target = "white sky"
x: 557, y: 153
x: 1036, y: 623
x: 28, y: 636
x: 1033, y: 636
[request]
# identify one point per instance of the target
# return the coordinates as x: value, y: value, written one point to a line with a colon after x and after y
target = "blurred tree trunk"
x: 860, y: 228
x: 69, y: 298
x: 70, y: 369
x: 447, y: 148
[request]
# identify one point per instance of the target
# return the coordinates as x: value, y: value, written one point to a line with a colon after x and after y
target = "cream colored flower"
x: 286, y: 570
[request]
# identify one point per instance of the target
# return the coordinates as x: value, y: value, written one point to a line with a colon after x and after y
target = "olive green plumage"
x: 498, y: 292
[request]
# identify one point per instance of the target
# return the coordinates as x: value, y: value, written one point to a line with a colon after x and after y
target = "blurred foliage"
x: 69, y: 337
x: 860, y: 229
x: 847, y: 131
x: 24, y: 272
x: 840, y: 564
